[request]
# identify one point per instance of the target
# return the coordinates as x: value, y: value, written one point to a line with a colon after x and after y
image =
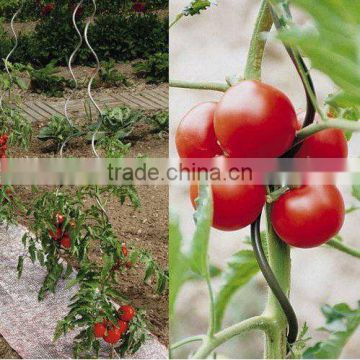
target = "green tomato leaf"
x: 241, y: 268
x: 196, y: 6
x: 179, y: 262
x: 341, y: 323
x: 331, y: 43
x: 198, y: 253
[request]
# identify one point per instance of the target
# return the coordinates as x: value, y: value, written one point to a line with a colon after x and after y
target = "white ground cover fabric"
x: 27, y: 325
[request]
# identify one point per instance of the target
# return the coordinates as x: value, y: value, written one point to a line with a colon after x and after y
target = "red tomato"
x: 127, y: 313
x: 99, y: 329
x: 236, y: 205
x: 328, y: 143
x: 139, y: 7
x: 66, y: 241
x: 195, y: 136
x: 255, y: 120
x: 56, y: 235
x: 113, y: 335
x: 124, y: 250
x: 308, y: 216
x: 59, y: 219
x: 123, y: 326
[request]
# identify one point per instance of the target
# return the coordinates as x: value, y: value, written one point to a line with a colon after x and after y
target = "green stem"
x: 335, y: 123
x: 257, y: 45
x: 187, y: 341
x: 211, y: 329
x: 216, y: 86
x: 336, y: 244
x: 273, y: 196
x: 177, y: 18
x: 255, y: 323
x: 280, y: 263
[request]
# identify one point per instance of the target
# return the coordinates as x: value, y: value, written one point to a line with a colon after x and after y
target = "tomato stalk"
x: 333, y: 124
x: 280, y: 263
x: 339, y: 245
x: 257, y: 44
x: 216, y: 86
x: 262, y: 323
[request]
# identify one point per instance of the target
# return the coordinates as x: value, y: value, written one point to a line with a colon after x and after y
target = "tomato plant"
x: 255, y: 120
x: 63, y: 226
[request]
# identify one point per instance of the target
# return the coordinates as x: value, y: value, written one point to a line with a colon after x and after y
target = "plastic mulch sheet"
x: 28, y: 325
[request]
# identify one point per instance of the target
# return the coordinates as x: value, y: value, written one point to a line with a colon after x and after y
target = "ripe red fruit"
x: 237, y: 203
x: 47, y: 9
x: 139, y: 7
x: 195, y: 136
x: 127, y: 312
x: 328, y: 143
x: 113, y: 335
x: 66, y: 241
x: 99, y: 329
x: 255, y: 120
x: 124, y: 250
x: 123, y: 326
x: 308, y: 216
x: 56, y: 235
x: 60, y: 219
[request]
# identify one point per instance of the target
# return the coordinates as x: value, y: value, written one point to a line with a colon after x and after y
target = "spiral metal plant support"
x: 71, y: 59
x: 95, y: 73
x: 6, y: 61
x: 255, y: 227
x: 272, y: 281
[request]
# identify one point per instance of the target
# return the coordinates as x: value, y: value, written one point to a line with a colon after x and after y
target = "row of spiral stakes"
x: 72, y: 57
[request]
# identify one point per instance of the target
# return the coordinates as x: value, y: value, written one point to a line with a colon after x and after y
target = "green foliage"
x: 110, y: 76
x: 332, y: 43
x: 8, y: 8
x: 16, y: 126
x: 113, y: 148
x: 123, y: 36
x: 118, y: 122
x: 45, y: 80
x: 196, y: 6
x: 240, y: 269
x: 96, y: 282
x: 154, y: 69
x: 127, y: 37
x: 5, y: 42
x: 178, y: 261
x: 159, y: 122
x: 341, y: 323
x: 59, y: 130
x: 300, y: 344
x: 14, y: 79
x: 198, y: 254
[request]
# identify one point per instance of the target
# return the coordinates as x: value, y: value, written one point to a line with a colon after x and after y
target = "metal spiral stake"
x: 95, y: 73
x: 300, y: 68
x: 71, y: 59
x: 6, y: 61
x: 272, y: 281
x: 255, y: 227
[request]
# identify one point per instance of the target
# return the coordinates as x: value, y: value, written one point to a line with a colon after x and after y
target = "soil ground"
x: 146, y: 227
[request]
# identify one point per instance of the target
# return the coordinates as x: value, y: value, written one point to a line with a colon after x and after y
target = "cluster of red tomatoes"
x: 60, y: 234
x: 112, y: 333
x: 50, y: 7
x: 3, y: 145
x: 256, y: 120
